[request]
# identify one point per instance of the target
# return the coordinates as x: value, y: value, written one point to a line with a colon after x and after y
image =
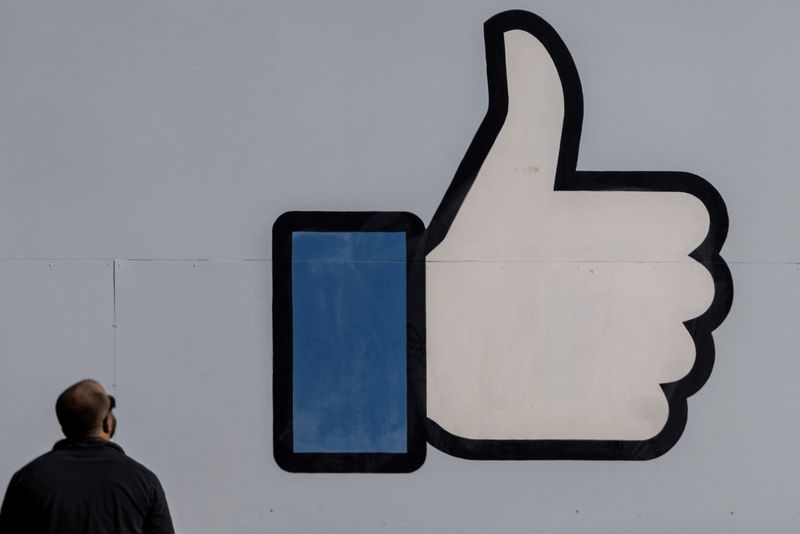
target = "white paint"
x: 556, y: 315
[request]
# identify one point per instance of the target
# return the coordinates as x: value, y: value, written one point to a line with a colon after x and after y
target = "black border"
x: 569, y: 179
x: 322, y: 221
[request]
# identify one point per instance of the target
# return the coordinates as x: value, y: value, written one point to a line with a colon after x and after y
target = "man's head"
x: 84, y: 411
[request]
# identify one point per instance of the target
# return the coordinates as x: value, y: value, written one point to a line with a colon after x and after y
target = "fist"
x: 569, y: 313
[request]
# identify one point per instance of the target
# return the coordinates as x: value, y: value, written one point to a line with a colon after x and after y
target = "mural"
x: 544, y: 313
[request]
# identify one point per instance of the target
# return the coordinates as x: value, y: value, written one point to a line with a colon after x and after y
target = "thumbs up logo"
x: 560, y: 314
x: 569, y: 313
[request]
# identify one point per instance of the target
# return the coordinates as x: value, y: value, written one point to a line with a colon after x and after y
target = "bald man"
x: 86, y: 484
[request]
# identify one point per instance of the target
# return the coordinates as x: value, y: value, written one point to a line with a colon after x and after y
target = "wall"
x: 147, y: 147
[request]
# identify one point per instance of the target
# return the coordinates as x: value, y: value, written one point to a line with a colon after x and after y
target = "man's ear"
x: 107, y: 424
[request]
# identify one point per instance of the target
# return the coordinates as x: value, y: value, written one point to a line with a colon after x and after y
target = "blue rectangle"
x: 349, y: 342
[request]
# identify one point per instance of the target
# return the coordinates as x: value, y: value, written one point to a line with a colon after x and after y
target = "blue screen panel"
x: 349, y: 342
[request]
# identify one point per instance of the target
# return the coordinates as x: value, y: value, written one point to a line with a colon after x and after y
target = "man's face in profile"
x: 112, y: 418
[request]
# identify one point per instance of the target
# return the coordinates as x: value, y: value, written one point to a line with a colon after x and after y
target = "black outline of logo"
x: 419, y: 244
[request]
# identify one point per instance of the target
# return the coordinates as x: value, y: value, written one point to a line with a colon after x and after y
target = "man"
x: 86, y: 484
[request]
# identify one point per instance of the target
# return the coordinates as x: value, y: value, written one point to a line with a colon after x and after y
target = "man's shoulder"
x: 68, y: 453
x: 140, y: 468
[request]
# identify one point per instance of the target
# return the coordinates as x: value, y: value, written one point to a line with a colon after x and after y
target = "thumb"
x: 529, y: 137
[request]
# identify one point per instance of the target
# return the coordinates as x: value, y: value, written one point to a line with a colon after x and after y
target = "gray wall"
x: 160, y: 140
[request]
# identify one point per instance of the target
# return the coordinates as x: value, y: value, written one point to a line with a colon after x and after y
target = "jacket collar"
x: 91, y: 443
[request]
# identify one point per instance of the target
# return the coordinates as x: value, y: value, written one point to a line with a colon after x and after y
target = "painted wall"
x: 147, y: 148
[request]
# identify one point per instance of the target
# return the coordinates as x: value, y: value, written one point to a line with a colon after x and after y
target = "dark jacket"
x: 85, y: 487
